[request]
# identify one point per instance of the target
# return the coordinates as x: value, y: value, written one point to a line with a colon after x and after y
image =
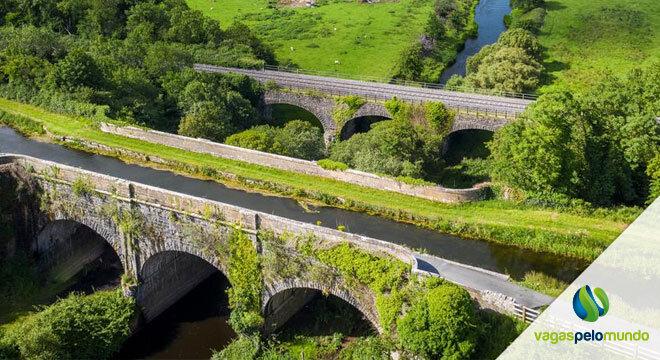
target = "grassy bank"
x: 566, y: 233
x: 582, y: 36
x: 364, y: 38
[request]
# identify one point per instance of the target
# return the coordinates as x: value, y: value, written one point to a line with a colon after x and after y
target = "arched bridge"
x: 317, y: 94
x: 168, y: 242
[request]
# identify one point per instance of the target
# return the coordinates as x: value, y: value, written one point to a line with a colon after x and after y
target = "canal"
x: 490, y: 18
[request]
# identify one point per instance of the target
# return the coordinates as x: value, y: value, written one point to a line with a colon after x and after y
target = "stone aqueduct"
x: 163, y: 257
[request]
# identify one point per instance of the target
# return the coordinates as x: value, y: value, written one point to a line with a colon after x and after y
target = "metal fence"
x: 333, y: 74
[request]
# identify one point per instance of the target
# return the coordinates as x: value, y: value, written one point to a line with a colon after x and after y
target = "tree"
x: 440, y: 324
x: 148, y: 15
x: 410, y: 64
x: 207, y: 120
x: 508, y: 69
x: 594, y: 144
x: 76, y: 70
x: 391, y: 147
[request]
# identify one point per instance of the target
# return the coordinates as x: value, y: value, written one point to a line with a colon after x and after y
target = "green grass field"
x: 582, y: 36
x: 495, y: 220
x: 366, y: 39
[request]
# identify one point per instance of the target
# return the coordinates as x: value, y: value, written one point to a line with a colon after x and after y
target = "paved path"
x: 381, y: 91
x: 480, y: 279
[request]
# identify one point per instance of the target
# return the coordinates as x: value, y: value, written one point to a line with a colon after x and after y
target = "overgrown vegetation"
x: 24, y: 125
x: 593, y: 145
x: 543, y: 283
x: 296, y: 138
x: 244, y: 274
x: 332, y: 165
x: 76, y: 327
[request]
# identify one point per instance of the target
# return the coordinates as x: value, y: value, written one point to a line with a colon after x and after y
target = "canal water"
x: 490, y: 18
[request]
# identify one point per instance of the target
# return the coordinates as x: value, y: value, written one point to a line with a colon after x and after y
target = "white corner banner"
x: 612, y: 310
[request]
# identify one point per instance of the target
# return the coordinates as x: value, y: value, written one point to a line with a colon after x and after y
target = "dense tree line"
x: 599, y: 144
x: 124, y: 59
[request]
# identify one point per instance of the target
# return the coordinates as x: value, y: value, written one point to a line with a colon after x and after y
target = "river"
x: 490, y: 18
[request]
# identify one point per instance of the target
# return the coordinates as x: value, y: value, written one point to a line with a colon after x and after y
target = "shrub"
x: 440, y: 324
x: 77, y: 327
x: 653, y: 172
x: 531, y: 21
x: 297, y: 138
x: 207, y: 120
x: 496, y: 332
x: 332, y: 165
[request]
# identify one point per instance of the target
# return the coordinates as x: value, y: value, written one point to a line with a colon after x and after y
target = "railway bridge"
x: 320, y: 96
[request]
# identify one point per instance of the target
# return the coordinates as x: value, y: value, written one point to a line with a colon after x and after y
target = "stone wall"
x: 435, y: 193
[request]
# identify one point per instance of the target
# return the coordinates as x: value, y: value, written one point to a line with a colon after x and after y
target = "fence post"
x: 524, y: 314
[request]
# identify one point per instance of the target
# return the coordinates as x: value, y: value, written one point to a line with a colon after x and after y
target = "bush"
x: 531, y: 21
x: 391, y: 147
x: 297, y: 138
x: 440, y: 324
x: 332, y: 165
x: 76, y: 327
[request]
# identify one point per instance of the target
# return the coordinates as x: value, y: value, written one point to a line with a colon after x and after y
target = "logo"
x: 585, y: 305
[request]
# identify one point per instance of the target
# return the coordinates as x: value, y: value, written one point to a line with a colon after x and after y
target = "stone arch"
x: 466, y: 143
x: 168, y: 275
x: 359, y: 124
x: 63, y: 255
x: 318, y: 106
x: 466, y: 122
x: 276, y: 289
x: 367, y: 110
